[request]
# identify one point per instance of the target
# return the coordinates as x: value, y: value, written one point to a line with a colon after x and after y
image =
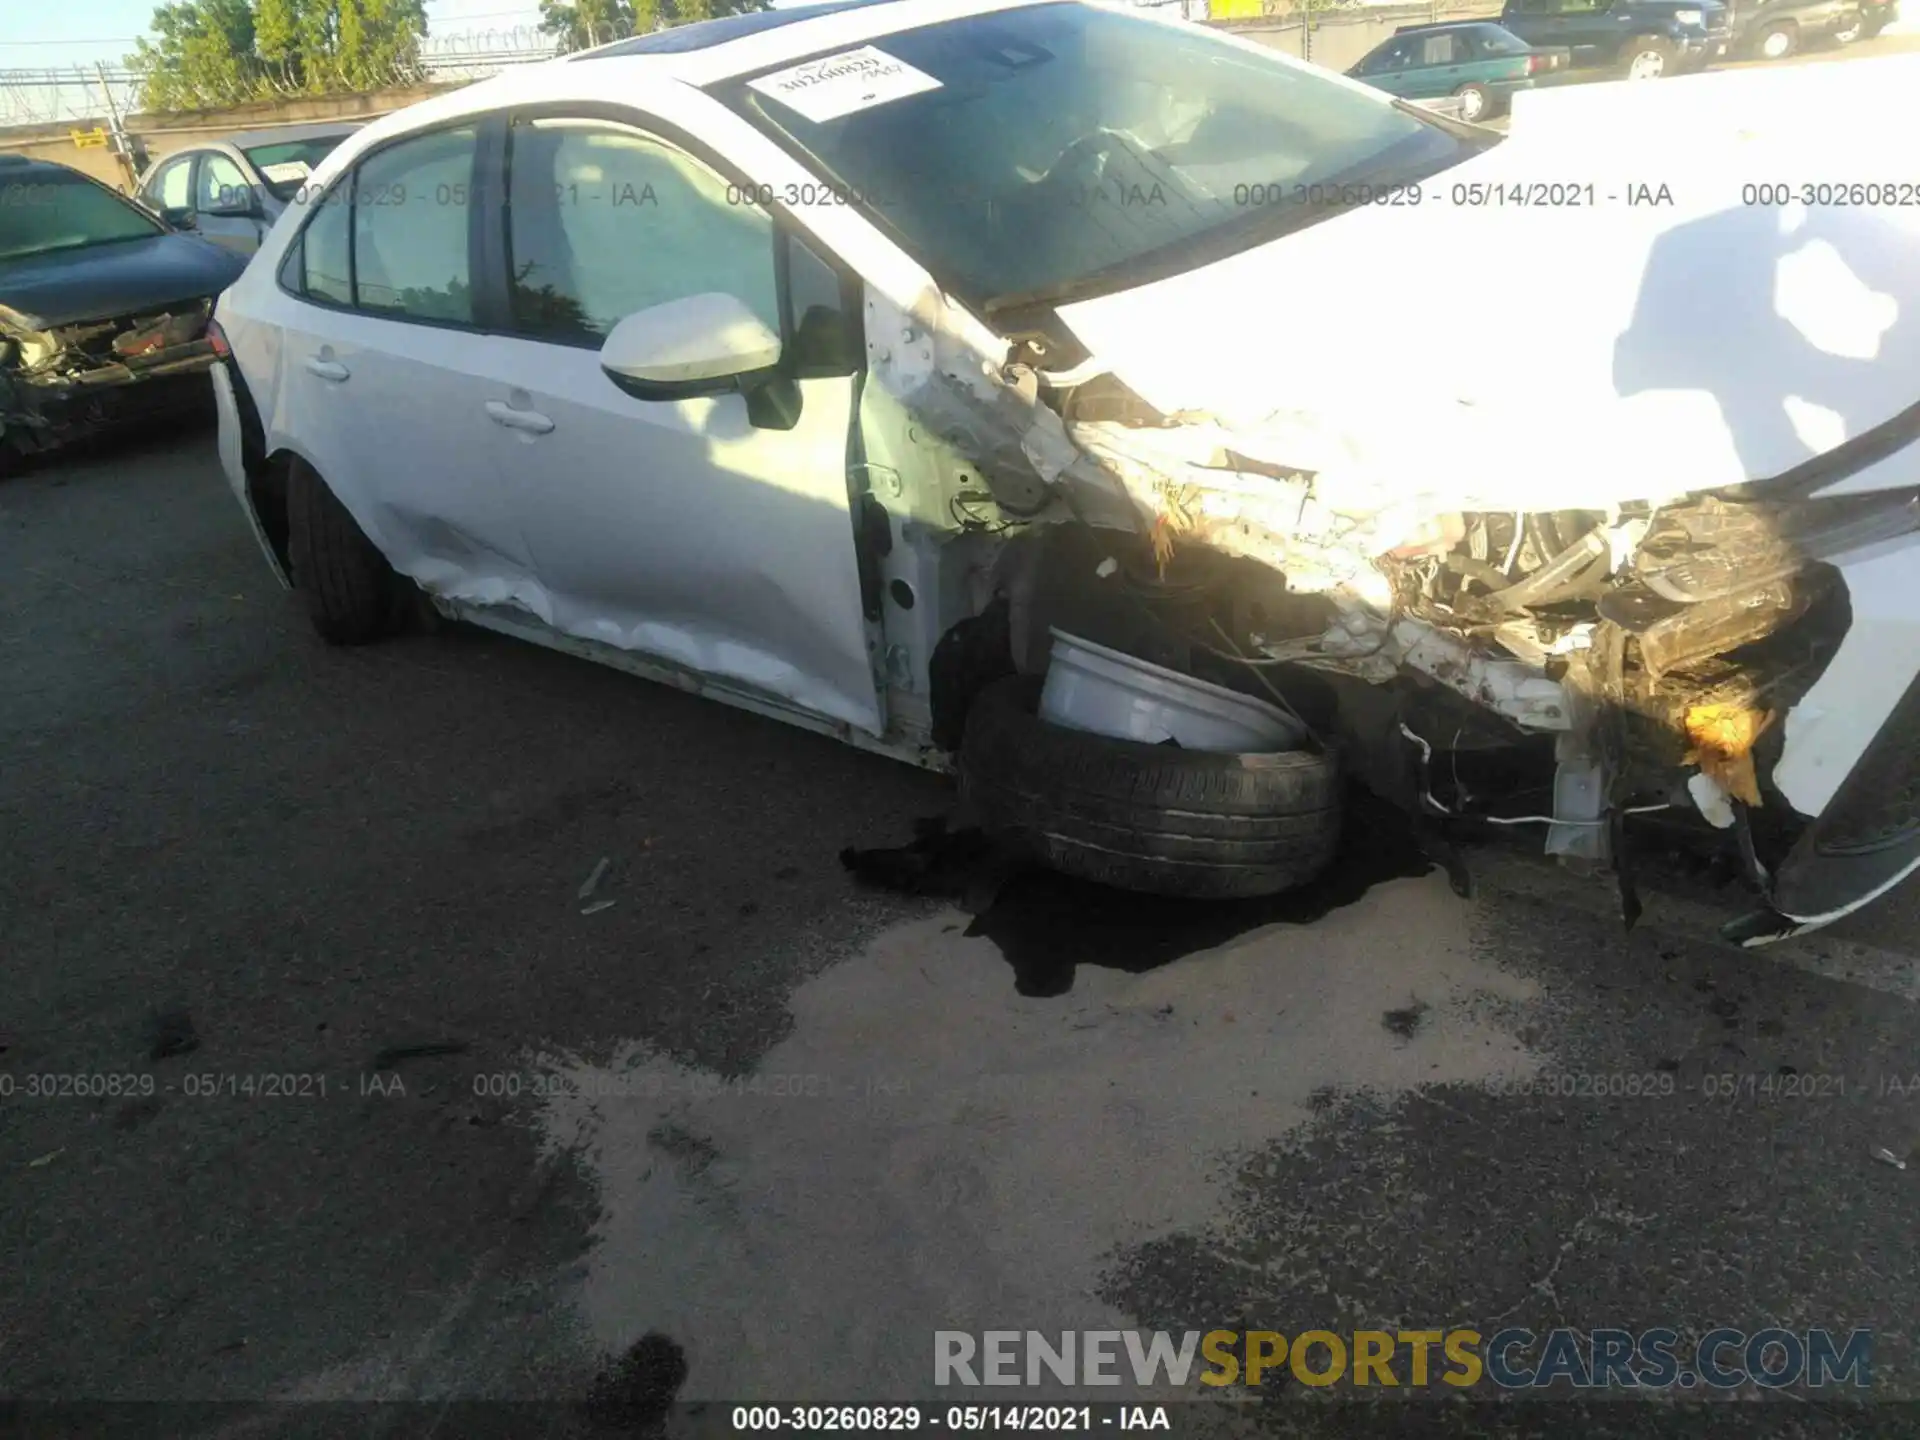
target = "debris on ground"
x: 1405, y: 1022
x: 386, y: 1059
x: 592, y: 882
x: 46, y: 1159
x: 639, y: 1388
x: 1887, y: 1157
x: 170, y: 1033
x: 597, y: 906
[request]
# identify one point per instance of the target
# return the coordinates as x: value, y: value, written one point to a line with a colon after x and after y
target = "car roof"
x: 287, y: 134
x: 1451, y: 25
x: 704, y: 34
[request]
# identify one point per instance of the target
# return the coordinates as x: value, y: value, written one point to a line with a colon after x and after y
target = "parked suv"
x: 1644, y: 38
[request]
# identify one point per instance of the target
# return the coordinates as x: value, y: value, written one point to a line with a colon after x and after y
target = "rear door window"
x: 410, y: 228
x: 1491, y: 40
x: 326, y: 260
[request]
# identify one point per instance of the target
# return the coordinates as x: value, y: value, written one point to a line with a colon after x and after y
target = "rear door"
x: 1439, y: 65
x: 386, y: 369
x: 683, y: 528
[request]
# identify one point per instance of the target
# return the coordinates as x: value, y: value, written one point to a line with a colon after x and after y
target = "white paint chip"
x: 843, y: 84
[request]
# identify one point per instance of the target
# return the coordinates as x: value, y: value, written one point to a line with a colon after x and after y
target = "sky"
x: 35, y: 34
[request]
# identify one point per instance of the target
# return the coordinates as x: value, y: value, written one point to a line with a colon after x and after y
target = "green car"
x: 1478, y: 61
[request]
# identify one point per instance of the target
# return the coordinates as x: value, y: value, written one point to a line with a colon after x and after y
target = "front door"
x: 387, y: 371
x: 225, y: 208
x: 677, y: 528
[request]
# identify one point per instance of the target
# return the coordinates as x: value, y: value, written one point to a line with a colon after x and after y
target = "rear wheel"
x: 1777, y: 42
x: 352, y: 595
x: 1147, y: 817
x: 1476, y: 102
x: 1649, y: 58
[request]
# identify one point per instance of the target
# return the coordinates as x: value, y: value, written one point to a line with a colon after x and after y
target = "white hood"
x: 1510, y: 356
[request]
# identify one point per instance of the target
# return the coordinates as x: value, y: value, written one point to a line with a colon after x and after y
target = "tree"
x: 379, y: 41
x: 217, y: 52
x: 577, y: 24
x: 199, y: 55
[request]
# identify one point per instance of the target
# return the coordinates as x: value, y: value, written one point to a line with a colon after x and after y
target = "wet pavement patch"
x: 1046, y: 925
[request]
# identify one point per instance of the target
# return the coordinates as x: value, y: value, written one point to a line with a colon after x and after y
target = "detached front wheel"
x: 1147, y: 817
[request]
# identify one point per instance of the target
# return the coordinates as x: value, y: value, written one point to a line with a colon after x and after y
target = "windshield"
x: 1062, y: 150
x: 285, y: 167
x: 50, y: 210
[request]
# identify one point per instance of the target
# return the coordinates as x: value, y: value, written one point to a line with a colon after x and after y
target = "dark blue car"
x: 103, y: 307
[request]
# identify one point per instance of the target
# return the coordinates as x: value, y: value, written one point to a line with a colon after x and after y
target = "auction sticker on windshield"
x: 844, y: 84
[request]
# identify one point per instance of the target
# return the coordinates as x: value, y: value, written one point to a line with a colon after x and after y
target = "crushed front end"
x: 62, y: 383
x: 1568, y: 668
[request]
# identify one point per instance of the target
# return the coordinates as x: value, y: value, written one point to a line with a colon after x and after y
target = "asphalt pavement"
x: 321, y: 1080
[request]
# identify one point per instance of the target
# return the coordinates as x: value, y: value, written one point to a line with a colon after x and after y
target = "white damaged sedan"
x: 1160, y: 429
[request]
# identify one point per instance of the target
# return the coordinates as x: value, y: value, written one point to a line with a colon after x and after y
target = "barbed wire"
x: 79, y: 94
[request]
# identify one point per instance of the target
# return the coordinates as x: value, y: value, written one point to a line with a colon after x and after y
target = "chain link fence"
x: 91, y: 94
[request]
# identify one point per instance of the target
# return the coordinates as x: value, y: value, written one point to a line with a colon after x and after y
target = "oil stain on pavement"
x: 931, y: 1147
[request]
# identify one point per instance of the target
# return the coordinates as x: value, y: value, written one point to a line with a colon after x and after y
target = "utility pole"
x: 122, y: 143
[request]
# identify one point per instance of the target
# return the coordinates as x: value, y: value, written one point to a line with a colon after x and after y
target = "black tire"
x: 352, y: 595
x: 1785, y: 32
x: 1851, y: 33
x: 1147, y: 817
x: 1479, y: 100
x: 1873, y: 25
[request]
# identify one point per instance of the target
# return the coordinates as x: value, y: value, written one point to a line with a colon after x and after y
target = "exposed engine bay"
x: 57, y: 384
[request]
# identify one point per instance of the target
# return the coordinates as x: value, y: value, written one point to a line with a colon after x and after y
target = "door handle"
x: 327, y: 369
x: 531, y: 421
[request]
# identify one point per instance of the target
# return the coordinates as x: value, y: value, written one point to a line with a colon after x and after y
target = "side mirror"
x: 693, y: 346
x: 703, y: 345
x: 180, y: 217
x: 237, y: 202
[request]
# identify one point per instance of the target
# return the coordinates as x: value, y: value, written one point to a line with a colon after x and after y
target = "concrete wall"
x: 1337, y: 38
x: 156, y: 136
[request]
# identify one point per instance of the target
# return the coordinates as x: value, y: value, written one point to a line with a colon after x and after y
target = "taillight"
x: 1535, y: 64
x: 217, y: 338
